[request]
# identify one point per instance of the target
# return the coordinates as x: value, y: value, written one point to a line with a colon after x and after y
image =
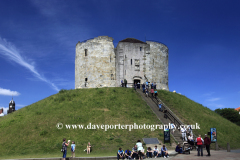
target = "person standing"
x: 183, y: 130
x: 143, y: 87
x: 73, y: 149
x: 207, y: 143
x: 160, y: 106
x: 122, y: 83
x: 172, y: 127
x: 64, y: 145
x: 152, y: 92
x: 135, y: 86
x: 199, y: 141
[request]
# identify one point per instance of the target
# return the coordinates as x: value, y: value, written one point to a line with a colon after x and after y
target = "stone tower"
x: 95, y: 63
x: 98, y: 64
x: 157, y: 64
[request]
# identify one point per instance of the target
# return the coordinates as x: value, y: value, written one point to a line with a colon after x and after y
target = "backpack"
x: 63, y: 147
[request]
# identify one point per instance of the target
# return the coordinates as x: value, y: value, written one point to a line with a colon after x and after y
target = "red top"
x: 199, y: 141
x: 207, y: 141
x: 152, y: 91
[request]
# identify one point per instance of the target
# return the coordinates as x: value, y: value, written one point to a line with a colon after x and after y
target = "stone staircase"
x: 160, y: 115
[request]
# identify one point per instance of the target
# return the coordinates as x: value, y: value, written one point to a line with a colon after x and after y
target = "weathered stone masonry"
x: 99, y: 64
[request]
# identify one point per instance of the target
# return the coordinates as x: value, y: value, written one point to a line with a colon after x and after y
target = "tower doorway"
x: 136, y: 81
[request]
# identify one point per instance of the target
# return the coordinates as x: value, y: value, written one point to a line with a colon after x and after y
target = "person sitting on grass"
x: 164, y: 152
x: 134, y: 152
x: 156, y: 152
x: 120, y: 154
x: 179, y: 149
x: 149, y: 152
x: 128, y: 154
x: 89, y: 148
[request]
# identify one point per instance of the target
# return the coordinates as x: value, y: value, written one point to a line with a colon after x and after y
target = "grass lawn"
x: 191, y: 112
x: 32, y: 132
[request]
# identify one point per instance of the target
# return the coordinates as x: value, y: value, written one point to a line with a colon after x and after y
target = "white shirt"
x: 190, y: 138
x: 156, y: 149
x: 183, y: 130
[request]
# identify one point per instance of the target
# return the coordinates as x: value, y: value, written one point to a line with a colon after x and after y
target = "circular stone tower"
x: 95, y: 63
x: 157, y: 64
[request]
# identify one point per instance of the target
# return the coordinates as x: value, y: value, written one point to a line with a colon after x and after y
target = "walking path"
x: 160, y: 115
x: 215, y: 155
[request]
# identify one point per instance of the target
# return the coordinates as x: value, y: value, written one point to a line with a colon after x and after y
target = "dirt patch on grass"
x: 102, y: 109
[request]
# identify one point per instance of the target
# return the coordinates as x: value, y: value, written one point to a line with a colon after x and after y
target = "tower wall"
x: 157, y: 65
x: 130, y: 62
x: 95, y: 63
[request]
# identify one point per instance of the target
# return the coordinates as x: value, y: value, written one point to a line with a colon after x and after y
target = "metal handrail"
x: 169, y: 113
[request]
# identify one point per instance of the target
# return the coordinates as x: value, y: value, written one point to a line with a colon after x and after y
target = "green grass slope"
x: 32, y: 132
x: 191, y: 112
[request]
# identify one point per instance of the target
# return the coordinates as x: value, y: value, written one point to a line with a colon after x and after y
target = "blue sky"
x: 38, y: 39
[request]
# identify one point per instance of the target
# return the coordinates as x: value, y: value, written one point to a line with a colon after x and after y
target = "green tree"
x: 230, y: 114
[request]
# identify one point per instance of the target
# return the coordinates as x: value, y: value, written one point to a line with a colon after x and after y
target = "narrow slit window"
x: 140, y: 48
x: 153, y: 61
x: 86, y: 82
x: 86, y: 52
x: 131, y: 61
x: 110, y: 58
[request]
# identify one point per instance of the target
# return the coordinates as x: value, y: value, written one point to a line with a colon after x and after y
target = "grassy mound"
x: 191, y: 112
x: 32, y: 132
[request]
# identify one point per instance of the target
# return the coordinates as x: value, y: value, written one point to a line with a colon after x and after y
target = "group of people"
x: 73, y: 147
x: 138, y: 152
x: 152, y: 88
x: 200, y: 144
x: 186, y: 132
x: 124, y: 83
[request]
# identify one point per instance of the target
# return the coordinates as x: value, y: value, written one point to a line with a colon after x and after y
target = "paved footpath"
x: 215, y: 155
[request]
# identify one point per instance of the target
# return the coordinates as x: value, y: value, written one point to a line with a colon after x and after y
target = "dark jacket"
x: 207, y: 141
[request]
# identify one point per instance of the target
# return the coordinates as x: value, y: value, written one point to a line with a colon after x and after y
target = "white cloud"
x: 11, y: 53
x: 208, y: 94
x: 20, y: 105
x: 8, y: 92
x: 213, y: 99
x: 215, y: 106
